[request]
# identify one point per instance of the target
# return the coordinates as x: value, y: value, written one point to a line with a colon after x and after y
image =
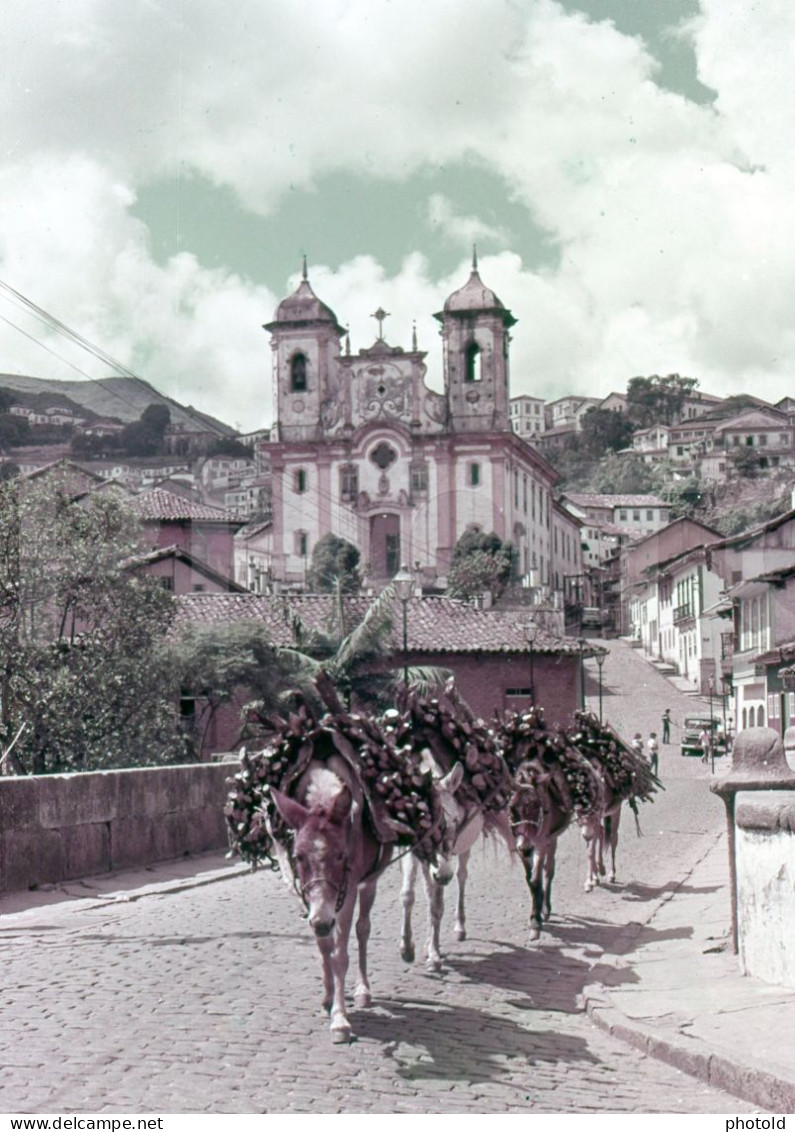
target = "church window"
x: 474, y: 475
x: 383, y: 455
x: 473, y: 362
x: 525, y: 494
x: 302, y: 544
x: 298, y: 373
x: 419, y: 479
x: 349, y: 482
x: 516, y: 489
x: 300, y: 481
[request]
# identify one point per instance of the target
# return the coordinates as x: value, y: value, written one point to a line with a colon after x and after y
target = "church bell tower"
x: 475, y: 337
x: 305, y: 339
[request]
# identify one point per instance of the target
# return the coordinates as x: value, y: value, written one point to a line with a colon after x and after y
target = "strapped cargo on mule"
x: 474, y: 786
x: 328, y: 800
x: 553, y: 784
x: 626, y: 776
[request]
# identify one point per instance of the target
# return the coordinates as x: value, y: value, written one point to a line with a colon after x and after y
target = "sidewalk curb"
x: 750, y: 1082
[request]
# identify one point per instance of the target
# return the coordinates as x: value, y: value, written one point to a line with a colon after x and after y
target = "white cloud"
x: 466, y: 230
x: 68, y: 243
x: 674, y: 222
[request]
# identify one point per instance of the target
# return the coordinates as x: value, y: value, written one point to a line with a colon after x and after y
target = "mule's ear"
x: 293, y: 812
x: 341, y: 807
x: 453, y: 779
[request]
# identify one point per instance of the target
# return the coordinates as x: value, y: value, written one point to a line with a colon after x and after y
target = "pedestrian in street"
x: 654, y: 752
x: 705, y: 743
x: 637, y: 743
x: 666, y: 724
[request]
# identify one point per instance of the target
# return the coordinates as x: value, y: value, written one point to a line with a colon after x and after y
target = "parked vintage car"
x: 691, y: 735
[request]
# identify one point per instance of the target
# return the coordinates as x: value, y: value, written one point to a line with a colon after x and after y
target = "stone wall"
x: 58, y: 827
x: 765, y: 861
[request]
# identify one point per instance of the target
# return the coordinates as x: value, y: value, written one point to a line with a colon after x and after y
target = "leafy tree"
x: 91, y: 446
x: 480, y: 563
x: 14, y: 431
x: 623, y: 475
x: 746, y: 462
x: 146, y: 436
x: 84, y: 678
x: 733, y: 520
x: 7, y: 399
x: 335, y: 562
x: 685, y: 497
x: 573, y: 464
x: 215, y: 663
x: 230, y: 446
x: 604, y: 430
x: 476, y: 574
x: 657, y: 400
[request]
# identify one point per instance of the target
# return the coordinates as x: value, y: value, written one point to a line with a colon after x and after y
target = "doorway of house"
x: 385, y: 545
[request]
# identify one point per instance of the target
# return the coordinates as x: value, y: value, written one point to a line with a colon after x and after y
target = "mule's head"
x: 454, y: 818
x: 321, y: 854
x: 526, y: 817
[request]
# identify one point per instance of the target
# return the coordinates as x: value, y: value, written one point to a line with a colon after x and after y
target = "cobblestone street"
x: 208, y: 999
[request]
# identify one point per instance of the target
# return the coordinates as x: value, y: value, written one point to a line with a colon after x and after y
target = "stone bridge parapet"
x: 60, y: 827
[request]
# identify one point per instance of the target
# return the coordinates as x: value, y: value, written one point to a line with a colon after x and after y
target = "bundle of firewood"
x: 625, y: 772
x: 453, y: 735
x: 544, y: 760
x: 401, y: 805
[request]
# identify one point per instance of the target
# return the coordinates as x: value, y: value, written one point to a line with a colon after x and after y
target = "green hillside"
x: 123, y: 398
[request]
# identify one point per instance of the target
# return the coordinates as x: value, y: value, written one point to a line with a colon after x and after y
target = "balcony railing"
x: 682, y: 613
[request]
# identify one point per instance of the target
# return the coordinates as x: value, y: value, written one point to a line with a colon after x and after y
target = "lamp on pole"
x: 600, y: 660
x: 403, y: 583
x: 581, y: 643
x: 530, y: 634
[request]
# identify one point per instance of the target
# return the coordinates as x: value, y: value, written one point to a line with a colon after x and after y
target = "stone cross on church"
x: 379, y: 316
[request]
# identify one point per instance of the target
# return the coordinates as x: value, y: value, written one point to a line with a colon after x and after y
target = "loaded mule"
x: 464, y: 820
x: 538, y: 818
x: 335, y: 858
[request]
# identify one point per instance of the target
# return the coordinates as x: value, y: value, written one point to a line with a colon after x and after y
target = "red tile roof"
x: 159, y: 504
x: 435, y: 624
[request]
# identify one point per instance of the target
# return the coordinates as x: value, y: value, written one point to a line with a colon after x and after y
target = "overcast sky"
x: 626, y: 168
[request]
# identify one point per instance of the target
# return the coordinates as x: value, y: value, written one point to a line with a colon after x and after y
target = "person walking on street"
x: 666, y: 726
x: 637, y: 743
x: 654, y: 752
x: 705, y: 743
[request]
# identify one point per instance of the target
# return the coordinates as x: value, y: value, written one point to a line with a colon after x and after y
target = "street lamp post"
x: 600, y: 660
x: 403, y: 583
x: 530, y: 634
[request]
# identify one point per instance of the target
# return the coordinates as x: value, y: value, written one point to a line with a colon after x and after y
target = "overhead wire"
x: 43, y: 316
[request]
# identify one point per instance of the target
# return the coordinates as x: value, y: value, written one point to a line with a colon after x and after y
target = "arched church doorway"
x: 385, y: 545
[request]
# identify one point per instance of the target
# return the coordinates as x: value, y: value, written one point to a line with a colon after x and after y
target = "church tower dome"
x: 303, y: 307
x: 476, y: 298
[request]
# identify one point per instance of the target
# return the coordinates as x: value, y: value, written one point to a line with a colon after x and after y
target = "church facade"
x: 363, y: 448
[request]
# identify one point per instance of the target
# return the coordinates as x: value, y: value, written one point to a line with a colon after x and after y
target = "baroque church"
x: 363, y: 448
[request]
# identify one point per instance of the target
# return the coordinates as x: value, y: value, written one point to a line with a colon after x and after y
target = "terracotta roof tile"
x: 435, y: 624
x: 157, y: 503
